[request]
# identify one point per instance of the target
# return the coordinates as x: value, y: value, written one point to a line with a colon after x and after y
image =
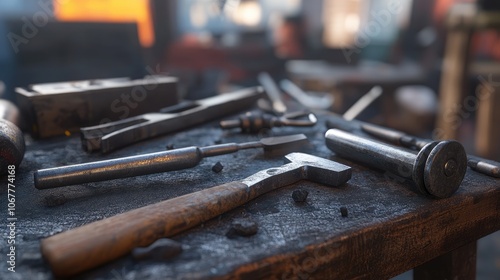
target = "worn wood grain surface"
x: 389, y: 229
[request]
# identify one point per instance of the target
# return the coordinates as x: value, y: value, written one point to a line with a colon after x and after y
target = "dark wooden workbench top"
x: 389, y: 228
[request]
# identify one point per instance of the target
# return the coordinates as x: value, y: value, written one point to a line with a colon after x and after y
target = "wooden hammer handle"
x: 88, y: 246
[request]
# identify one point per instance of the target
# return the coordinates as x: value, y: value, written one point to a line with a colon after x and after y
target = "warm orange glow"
x: 109, y: 11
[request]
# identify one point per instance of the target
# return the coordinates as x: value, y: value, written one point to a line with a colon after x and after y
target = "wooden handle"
x: 82, y: 248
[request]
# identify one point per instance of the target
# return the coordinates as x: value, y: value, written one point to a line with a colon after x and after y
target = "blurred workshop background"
x: 436, y: 60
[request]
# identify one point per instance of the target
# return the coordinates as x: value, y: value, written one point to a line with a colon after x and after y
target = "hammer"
x: 94, y: 244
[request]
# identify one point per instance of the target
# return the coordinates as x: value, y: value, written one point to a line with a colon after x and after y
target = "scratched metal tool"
x: 114, y: 135
x: 481, y: 165
x: 437, y: 170
x: 172, y: 160
x: 484, y: 166
x: 89, y: 246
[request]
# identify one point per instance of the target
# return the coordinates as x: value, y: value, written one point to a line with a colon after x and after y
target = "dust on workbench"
x: 284, y: 226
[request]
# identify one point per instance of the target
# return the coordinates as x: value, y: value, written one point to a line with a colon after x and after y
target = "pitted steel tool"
x: 114, y: 135
x: 487, y: 167
x: 172, y: 160
x: 89, y: 246
x: 255, y: 122
x: 481, y: 165
x: 437, y: 170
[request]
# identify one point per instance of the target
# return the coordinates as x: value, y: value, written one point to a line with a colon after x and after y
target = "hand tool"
x: 362, y: 103
x: 12, y: 144
x: 481, y: 165
x: 255, y: 122
x: 487, y: 167
x: 91, y: 245
x: 347, y: 121
x: 309, y: 101
x: 437, y: 170
x: 114, y: 135
x: 273, y: 92
x: 62, y: 108
x: 171, y: 160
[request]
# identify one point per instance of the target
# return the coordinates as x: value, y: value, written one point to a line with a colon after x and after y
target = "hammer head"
x: 321, y: 170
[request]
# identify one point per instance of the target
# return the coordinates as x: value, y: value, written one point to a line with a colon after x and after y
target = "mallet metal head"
x: 300, y: 166
x: 440, y: 168
x: 320, y: 170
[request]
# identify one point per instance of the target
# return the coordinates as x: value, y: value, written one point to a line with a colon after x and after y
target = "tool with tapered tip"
x: 177, y: 159
x: 89, y: 246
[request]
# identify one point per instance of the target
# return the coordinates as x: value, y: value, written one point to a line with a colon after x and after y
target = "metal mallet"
x: 437, y: 170
x: 478, y: 164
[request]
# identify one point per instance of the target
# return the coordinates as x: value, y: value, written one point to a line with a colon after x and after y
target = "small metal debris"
x: 300, y: 195
x: 54, y: 200
x: 217, y: 167
x: 162, y: 249
x: 343, y: 211
x: 242, y: 227
x: 170, y: 146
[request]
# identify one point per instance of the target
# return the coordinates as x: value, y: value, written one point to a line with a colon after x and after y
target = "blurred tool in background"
x: 316, y: 101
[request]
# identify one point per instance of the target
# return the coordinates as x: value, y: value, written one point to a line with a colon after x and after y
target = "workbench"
x: 389, y: 229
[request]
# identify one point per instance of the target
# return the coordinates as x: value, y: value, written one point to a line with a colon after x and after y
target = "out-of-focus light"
x: 198, y: 15
x: 109, y: 11
x: 248, y: 13
x: 351, y: 23
x: 342, y: 21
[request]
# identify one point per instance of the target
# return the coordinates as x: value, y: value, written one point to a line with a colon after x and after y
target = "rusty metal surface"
x: 371, y: 197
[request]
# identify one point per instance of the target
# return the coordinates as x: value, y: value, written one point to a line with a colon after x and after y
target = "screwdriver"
x: 177, y: 159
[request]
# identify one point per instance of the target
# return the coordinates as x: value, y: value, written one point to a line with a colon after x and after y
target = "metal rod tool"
x: 177, y: 159
x: 484, y: 166
x: 437, y: 170
x: 324, y: 101
x: 273, y: 92
x: 255, y: 122
x: 114, y: 135
x: 89, y: 246
x: 363, y: 103
x: 478, y: 164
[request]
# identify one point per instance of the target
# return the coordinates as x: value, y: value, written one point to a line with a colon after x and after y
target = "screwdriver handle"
x: 94, y: 244
x: 118, y: 168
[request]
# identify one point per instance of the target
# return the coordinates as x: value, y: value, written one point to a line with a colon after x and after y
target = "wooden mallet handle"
x: 94, y: 244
